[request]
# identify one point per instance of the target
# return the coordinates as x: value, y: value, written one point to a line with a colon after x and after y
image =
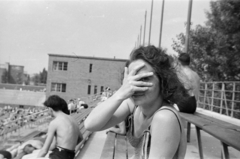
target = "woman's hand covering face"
x: 132, y: 82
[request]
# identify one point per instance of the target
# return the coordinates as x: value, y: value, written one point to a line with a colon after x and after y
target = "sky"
x: 32, y: 29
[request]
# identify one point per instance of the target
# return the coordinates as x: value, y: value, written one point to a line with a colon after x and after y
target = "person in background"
x: 191, y: 82
x: 28, y: 149
x: 71, y: 106
x: 63, y: 128
x: 5, y: 154
x: 145, y: 99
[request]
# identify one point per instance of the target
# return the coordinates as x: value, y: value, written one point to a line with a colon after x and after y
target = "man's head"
x: 28, y: 149
x: 184, y: 58
x: 56, y: 104
x: 5, y: 155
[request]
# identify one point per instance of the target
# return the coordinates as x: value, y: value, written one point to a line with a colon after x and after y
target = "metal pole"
x: 140, y: 35
x: 160, y: 36
x: 188, y: 25
x: 138, y: 41
x: 150, y: 27
x: 144, y: 27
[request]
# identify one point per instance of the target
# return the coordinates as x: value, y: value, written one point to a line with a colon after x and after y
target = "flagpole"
x: 161, y: 24
x: 188, y: 25
x: 144, y: 27
x: 140, y: 35
x: 150, y: 27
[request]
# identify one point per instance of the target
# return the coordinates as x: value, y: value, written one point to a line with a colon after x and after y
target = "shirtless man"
x: 191, y: 82
x: 63, y: 128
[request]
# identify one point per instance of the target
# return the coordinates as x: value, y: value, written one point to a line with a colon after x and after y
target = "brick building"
x: 13, y: 74
x: 80, y: 76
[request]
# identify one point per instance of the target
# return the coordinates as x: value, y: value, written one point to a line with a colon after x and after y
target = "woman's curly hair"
x: 172, y: 90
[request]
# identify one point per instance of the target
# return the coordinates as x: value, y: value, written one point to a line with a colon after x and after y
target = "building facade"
x: 13, y: 74
x: 80, y: 77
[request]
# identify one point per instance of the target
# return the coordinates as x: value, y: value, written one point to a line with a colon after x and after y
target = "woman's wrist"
x: 118, y: 97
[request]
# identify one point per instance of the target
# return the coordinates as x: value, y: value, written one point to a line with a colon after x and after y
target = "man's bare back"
x: 191, y: 81
x: 63, y: 128
x: 67, y: 131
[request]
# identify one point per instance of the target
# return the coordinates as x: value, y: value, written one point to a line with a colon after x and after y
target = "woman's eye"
x: 144, y: 79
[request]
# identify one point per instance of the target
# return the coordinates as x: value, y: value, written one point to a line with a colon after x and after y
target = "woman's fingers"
x: 143, y: 75
x: 125, y: 72
x: 136, y: 69
x: 139, y: 89
x: 141, y: 84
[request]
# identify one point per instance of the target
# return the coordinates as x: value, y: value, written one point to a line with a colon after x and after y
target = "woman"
x: 149, y: 89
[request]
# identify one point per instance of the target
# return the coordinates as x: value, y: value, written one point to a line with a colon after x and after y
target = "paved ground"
x: 211, y: 147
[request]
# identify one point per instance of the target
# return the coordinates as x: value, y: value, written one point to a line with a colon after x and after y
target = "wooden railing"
x: 221, y: 97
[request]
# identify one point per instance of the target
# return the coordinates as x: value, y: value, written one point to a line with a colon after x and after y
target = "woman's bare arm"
x: 166, y: 134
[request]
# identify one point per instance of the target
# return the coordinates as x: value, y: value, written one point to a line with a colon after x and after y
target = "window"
x: 90, y: 67
x: 58, y: 87
x: 102, y: 89
x: 60, y: 65
x: 95, y: 89
x: 89, y: 89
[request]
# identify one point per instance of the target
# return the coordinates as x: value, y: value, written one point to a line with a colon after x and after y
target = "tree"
x: 36, y: 79
x: 43, y: 76
x: 5, y: 76
x: 215, y: 47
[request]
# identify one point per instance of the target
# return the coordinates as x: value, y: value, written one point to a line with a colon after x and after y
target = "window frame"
x: 89, y: 89
x: 90, y: 67
x: 58, y: 87
x: 60, y: 66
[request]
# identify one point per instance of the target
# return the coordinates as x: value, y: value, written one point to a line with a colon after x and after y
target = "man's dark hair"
x: 57, y: 104
x: 85, y: 106
x: 6, y: 154
x: 184, y: 58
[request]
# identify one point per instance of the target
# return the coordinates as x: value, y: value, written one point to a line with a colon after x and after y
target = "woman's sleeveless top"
x: 142, y: 144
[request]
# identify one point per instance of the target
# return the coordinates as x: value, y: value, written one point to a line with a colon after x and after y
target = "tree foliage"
x: 215, y: 47
x: 40, y: 78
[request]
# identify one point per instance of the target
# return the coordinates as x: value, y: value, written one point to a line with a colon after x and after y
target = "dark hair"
x: 57, y: 104
x: 85, y: 106
x: 171, y: 88
x: 6, y: 154
x: 25, y: 150
x: 184, y: 59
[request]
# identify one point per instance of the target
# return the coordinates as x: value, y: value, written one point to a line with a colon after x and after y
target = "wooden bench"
x: 80, y: 118
x: 227, y: 133
x: 116, y: 147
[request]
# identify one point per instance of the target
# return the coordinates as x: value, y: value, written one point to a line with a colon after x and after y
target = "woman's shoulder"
x: 165, y: 114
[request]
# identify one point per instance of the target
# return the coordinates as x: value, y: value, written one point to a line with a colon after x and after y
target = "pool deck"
x: 211, y: 147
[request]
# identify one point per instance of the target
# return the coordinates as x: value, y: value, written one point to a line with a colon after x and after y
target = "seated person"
x: 63, y: 128
x: 26, y: 150
x: 36, y: 143
x: 5, y: 154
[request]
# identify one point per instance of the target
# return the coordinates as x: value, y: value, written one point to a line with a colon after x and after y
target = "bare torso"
x: 67, y: 132
x: 191, y: 80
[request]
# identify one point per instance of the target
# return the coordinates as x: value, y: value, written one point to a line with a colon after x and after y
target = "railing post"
x: 212, y: 102
x: 221, y: 105
x: 233, y: 98
x: 199, y: 141
x: 224, y: 153
x: 225, y: 101
x: 188, y: 131
x: 205, y: 92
